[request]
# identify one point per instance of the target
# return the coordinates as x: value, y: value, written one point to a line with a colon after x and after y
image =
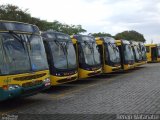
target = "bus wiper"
x: 20, y: 40
x: 114, y: 48
x: 66, y: 46
x: 58, y: 43
x: 89, y: 46
x: 17, y: 37
x: 29, y: 40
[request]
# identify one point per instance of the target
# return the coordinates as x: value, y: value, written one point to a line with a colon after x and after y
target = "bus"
x: 61, y: 57
x: 153, y: 52
x: 23, y: 64
x: 158, y: 52
x: 88, y: 55
x: 143, y: 53
x: 110, y: 54
x: 137, y: 53
x: 126, y: 54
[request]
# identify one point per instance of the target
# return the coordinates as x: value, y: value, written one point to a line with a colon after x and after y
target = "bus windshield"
x: 143, y: 51
x: 137, y: 53
x: 37, y: 53
x: 17, y: 56
x: 14, y: 54
x: 91, y: 53
x: 64, y: 55
x: 96, y: 54
x: 128, y: 53
x: 71, y: 55
x: 3, y: 67
x: 114, y: 55
x: 58, y: 54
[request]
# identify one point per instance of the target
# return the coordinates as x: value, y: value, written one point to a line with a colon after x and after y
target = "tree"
x: 130, y: 35
x: 101, y: 34
x: 68, y: 29
x: 14, y: 13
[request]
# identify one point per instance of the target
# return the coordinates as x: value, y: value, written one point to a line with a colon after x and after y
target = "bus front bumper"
x: 141, y: 63
x: 34, y: 90
x: 86, y: 73
x: 128, y: 67
x: 9, y: 94
x: 56, y: 80
x: 22, y: 91
x: 110, y: 69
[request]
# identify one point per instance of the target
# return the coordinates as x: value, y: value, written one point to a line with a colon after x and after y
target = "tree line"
x: 127, y: 35
x: 14, y: 13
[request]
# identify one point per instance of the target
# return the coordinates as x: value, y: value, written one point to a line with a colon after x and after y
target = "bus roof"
x: 107, y: 39
x: 141, y: 43
x: 123, y: 41
x: 54, y: 35
x: 18, y: 27
x: 150, y: 44
x: 134, y: 42
x: 81, y: 38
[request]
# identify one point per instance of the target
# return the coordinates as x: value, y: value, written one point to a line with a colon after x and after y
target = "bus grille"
x: 29, y: 77
x: 116, y: 69
x: 66, y: 80
x: 32, y: 83
x: 94, y: 73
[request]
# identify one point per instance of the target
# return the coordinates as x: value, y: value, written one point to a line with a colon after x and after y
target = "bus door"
x: 101, y: 49
x: 158, y: 52
x: 121, y: 55
x: 154, y: 53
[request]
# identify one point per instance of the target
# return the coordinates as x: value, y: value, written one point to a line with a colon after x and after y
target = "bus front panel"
x: 61, y: 57
x: 23, y: 85
x: 23, y: 64
x: 88, y: 56
x: 110, y: 55
x: 126, y: 54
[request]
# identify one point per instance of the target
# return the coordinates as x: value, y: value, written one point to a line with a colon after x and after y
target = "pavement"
x: 136, y: 91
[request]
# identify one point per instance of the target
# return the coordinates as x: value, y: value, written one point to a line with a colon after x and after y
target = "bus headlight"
x: 13, y: 87
x: 47, y: 81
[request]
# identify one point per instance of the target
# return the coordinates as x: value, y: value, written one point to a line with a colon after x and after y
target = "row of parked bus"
x: 32, y: 61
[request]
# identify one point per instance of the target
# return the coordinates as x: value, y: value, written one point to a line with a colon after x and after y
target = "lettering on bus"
x: 33, y: 83
x: 6, y: 81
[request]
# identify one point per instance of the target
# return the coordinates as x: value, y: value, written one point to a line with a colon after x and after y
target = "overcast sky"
x: 111, y: 16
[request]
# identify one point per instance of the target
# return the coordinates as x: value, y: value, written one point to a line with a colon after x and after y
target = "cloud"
x: 110, y: 16
x: 142, y: 16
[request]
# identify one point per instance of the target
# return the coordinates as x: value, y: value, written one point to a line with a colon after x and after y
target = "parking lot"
x: 133, y: 92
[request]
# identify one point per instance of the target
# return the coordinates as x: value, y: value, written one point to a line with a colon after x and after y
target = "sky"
x: 110, y: 16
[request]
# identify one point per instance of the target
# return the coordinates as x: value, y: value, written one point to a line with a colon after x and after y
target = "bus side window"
x: 147, y: 49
